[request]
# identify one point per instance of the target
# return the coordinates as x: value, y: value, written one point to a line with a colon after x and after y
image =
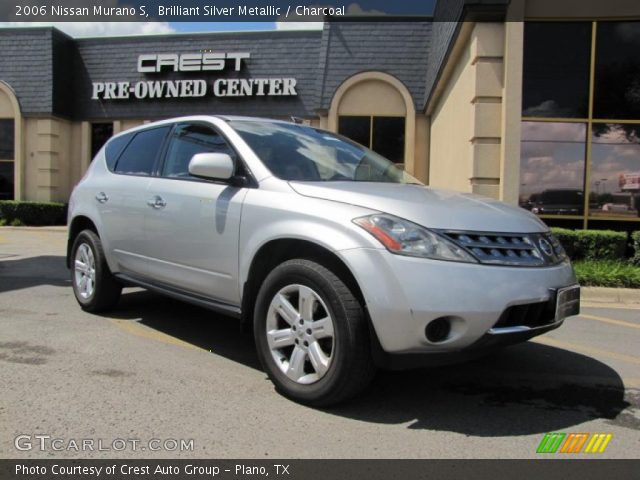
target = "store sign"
x: 193, y: 62
x: 629, y: 181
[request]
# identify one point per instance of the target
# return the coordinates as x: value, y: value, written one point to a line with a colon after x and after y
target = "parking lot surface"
x: 158, y: 369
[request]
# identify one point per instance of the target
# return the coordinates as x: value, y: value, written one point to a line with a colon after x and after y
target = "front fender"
x: 291, y: 216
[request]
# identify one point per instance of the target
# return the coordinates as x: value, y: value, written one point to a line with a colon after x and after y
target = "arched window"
x: 376, y: 110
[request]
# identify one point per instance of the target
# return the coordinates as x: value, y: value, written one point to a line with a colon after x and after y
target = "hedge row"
x: 32, y: 213
x: 635, y: 243
x: 593, y: 244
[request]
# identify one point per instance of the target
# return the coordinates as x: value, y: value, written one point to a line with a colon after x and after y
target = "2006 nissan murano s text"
x: 340, y: 260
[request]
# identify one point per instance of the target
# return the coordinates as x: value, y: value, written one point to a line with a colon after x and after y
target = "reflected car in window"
x: 562, y: 201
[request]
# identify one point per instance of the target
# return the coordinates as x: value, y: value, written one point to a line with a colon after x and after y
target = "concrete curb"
x: 61, y: 229
x: 610, y: 296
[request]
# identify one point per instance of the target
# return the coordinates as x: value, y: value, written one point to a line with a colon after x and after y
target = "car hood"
x: 426, y: 206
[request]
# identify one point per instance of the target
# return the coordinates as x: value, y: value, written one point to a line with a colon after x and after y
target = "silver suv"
x: 339, y: 260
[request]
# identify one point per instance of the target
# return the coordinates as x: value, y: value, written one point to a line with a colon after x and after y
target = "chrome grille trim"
x: 509, y: 249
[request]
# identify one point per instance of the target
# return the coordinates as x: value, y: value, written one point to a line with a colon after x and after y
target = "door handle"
x: 156, y: 202
x: 102, y: 197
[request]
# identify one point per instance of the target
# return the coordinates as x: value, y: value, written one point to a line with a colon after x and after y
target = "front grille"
x: 528, y: 250
x: 530, y: 315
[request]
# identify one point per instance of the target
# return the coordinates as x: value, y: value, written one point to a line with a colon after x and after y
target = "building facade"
x: 509, y: 101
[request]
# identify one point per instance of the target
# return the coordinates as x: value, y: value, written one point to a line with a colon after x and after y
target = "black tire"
x: 351, y: 367
x: 106, y: 291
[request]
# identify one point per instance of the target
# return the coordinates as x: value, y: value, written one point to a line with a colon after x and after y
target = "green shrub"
x: 592, y: 244
x: 607, y: 273
x: 32, y: 213
x: 635, y: 243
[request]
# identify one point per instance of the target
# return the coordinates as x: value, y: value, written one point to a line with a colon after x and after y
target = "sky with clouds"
x: 105, y: 29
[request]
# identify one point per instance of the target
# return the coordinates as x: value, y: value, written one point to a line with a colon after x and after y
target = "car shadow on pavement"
x: 200, y: 327
x: 524, y: 389
x: 21, y: 273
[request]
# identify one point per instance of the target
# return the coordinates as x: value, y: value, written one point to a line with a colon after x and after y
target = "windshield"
x: 298, y: 152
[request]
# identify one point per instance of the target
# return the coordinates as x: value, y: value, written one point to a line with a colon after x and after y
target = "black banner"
x: 302, y: 10
x: 579, y: 469
x: 199, y: 11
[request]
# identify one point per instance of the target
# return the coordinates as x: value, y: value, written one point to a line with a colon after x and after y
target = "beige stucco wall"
x: 122, y: 125
x: 421, y: 165
x: 6, y: 108
x: 450, y: 151
x: 372, y: 97
x: 52, y: 161
x: 467, y: 113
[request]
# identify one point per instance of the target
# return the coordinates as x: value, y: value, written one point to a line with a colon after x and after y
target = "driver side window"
x: 188, y: 140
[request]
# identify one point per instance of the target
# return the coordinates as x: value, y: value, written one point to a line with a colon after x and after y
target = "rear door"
x: 122, y: 198
x: 192, y: 227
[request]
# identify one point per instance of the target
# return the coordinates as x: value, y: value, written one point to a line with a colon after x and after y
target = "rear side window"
x: 139, y: 156
x: 188, y: 140
x: 114, y: 149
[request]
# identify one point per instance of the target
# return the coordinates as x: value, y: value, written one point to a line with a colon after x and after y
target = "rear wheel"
x: 94, y: 286
x: 311, y: 334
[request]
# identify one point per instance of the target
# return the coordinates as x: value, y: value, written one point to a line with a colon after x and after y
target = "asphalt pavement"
x: 164, y: 379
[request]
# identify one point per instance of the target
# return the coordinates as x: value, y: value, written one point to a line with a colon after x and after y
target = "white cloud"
x: 540, y: 173
x: 553, y: 131
x: 288, y: 25
x: 99, y: 29
x: 355, y: 9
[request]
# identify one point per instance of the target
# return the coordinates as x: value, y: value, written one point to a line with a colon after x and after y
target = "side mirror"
x: 214, y: 166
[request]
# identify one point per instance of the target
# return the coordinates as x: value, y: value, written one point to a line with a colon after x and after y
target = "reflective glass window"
x: 552, y: 167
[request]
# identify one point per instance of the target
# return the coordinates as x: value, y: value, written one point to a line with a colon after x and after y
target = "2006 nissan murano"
x: 341, y: 261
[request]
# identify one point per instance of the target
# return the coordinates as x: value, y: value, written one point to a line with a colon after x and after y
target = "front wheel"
x: 94, y: 286
x: 311, y: 334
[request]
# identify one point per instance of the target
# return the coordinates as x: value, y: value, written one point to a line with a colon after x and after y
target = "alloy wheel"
x: 84, y: 271
x: 300, y: 334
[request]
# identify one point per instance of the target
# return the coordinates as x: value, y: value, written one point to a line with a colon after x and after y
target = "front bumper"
x: 404, y: 294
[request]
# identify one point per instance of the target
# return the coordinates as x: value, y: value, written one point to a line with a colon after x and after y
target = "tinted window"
x: 388, y: 138
x: 139, y: 156
x: 114, y: 148
x: 6, y: 180
x: 100, y: 133
x: 552, y: 167
x: 556, y: 69
x: 6, y: 139
x: 615, y: 171
x: 188, y: 140
x: 617, y: 76
x: 357, y: 129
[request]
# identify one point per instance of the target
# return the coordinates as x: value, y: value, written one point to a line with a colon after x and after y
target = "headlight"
x: 405, y: 238
x: 557, y: 247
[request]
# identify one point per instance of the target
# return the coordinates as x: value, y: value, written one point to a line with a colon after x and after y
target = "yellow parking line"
x: 552, y: 342
x: 608, y: 306
x: 133, y: 327
x: 612, y: 321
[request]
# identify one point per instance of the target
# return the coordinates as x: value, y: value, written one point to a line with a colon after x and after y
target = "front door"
x: 192, y: 225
